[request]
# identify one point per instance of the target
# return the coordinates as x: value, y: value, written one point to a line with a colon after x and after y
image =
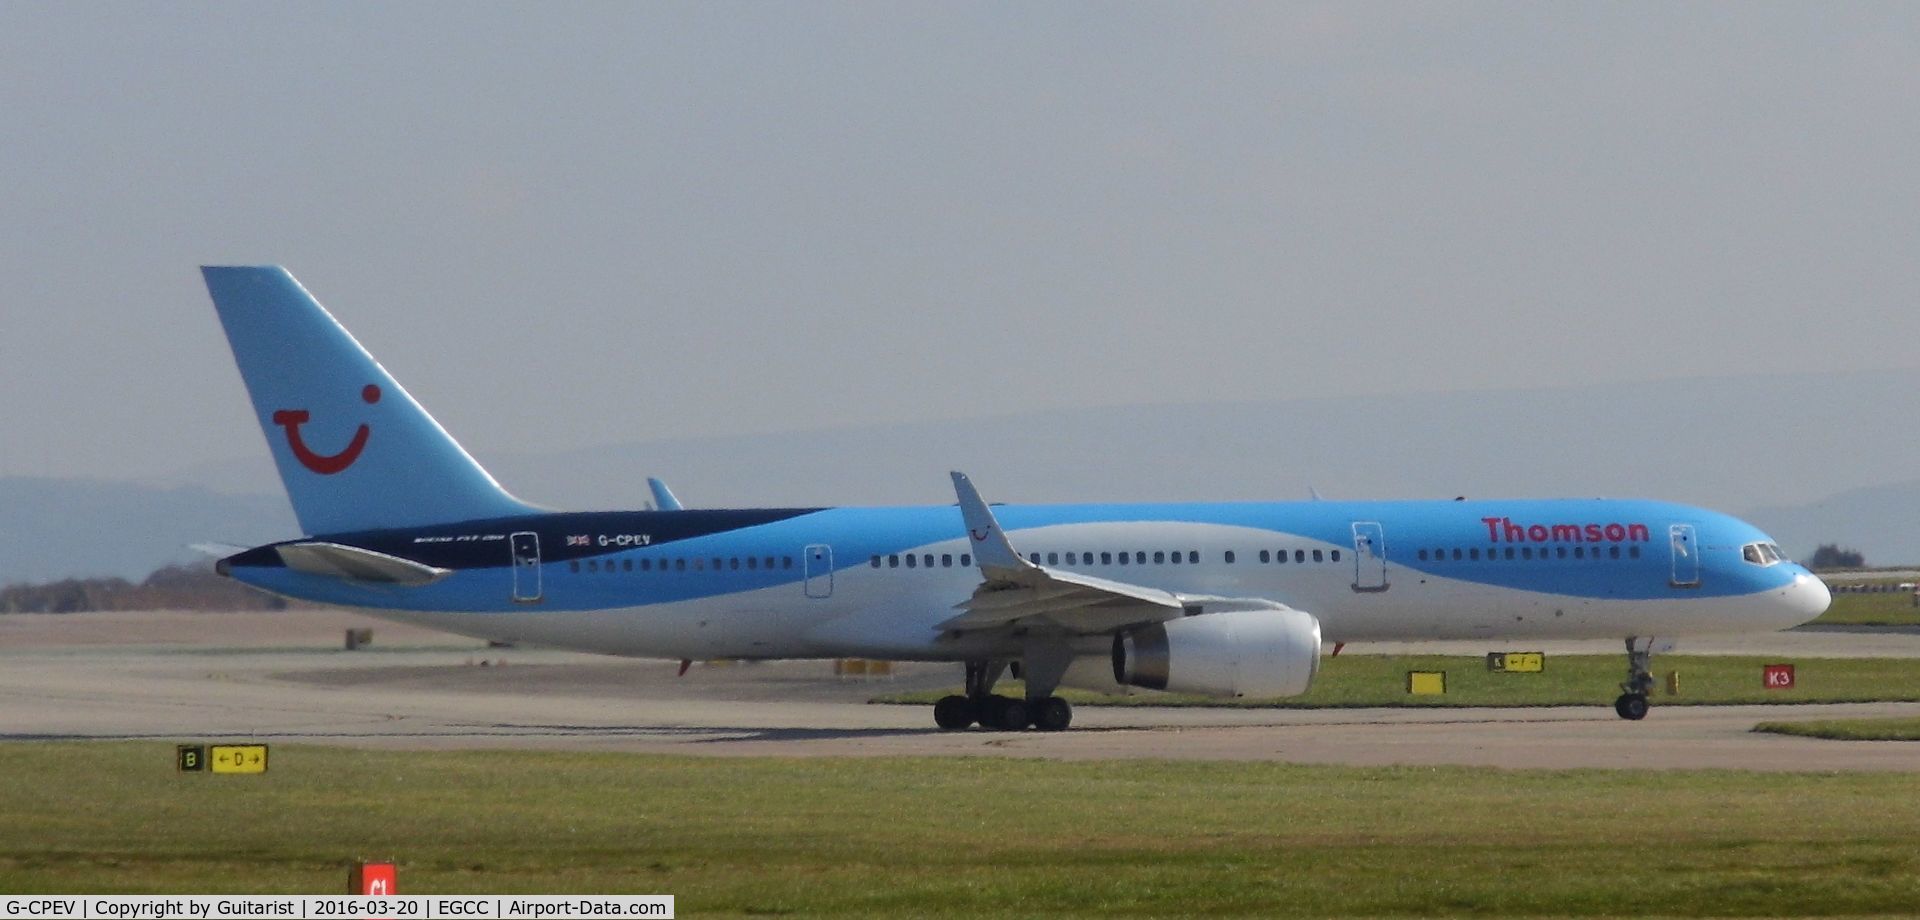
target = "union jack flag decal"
x: 580, y: 540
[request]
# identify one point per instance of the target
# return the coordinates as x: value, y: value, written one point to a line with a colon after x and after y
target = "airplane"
x: 1221, y: 599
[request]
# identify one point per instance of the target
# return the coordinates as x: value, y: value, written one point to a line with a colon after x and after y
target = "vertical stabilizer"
x: 353, y: 448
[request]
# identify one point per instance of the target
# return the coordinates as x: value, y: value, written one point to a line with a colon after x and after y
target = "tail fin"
x: 354, y: 450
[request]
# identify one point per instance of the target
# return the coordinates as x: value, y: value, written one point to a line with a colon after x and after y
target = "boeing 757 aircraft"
x: 1221, y: 599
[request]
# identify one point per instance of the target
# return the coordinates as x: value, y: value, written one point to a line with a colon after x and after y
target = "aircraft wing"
x: 1017, y: 593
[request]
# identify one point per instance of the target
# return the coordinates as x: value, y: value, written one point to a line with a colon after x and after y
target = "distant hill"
x: 59, y: 528
x: 1732, y: 444
x: 1883, y: 522
x: 189, y: 586
x: 1728, y: 443
x: 1812, y: 459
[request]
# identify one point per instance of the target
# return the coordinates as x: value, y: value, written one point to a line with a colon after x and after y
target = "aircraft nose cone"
x: 1807, y: 597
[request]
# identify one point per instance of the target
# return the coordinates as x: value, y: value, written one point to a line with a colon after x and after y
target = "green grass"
x: 1571, y: 680
x: 1894, y: 608
x: 1896, y: 729
x: 969, y: 837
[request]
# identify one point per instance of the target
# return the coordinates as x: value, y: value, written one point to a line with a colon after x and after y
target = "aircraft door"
x: 526, y: 567
x: 1369, y: 556
x: 819, y: 564
x: 1686, y: 556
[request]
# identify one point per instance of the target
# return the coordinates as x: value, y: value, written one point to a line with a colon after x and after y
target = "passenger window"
x: 946, y: 560
x: 1509, y: 552
x: 1229, y: 557
x: 912, y: 561
x: 928, y: 560
x: 593, y: 565
x: 875, y: 561
x: 1579, y: 552
x: 1526, y: 552
x: 1123, y: 558
x: 1474, y: 554
x: 1071, y: 556
x: 679, y: 565
x: 1457, y: 555
x: 626, y: 565
x: 1106, y: 558
x: 1140, y: 557
x: 1053, y: 558
x: 1174, y: 557
x: 893, y: 562
x: 733, y: 563
x: 1613, y: 552
x: 1193, y: 557
x: 966, y: 558
x: 716, y: 563
x: 1264, y: 555
x: 1423, y: 555
x: 1336, y: 555
x: 1560, y: 551
x: 786, y: 562
x: 1159, y: 557
x: 1316, y: 556
x: 754, y: 562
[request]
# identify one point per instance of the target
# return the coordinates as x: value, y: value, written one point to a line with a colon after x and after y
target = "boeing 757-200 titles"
x: 1222, y: 599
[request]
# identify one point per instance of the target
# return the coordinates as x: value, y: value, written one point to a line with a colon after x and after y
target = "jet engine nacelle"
x: 1255, y: 653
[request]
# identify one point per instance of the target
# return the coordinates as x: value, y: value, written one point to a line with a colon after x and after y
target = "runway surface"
x: 285, y: 677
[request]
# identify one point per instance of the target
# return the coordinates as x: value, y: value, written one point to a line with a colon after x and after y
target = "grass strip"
x: 968, y: 837
x: 1887, y: 729
x: 1889, y: 608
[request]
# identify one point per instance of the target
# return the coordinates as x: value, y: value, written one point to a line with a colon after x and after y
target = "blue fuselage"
x: 879, y: 581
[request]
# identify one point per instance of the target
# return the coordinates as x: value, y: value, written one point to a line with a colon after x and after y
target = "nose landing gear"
x: 1632, y: 704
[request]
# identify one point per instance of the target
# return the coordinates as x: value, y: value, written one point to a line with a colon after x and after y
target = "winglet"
x: 662, y: 496
x: 991, y: 548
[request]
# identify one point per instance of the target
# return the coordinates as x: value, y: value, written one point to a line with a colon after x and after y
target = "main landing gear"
x: 1045, y: 712
x: 1632, y: 703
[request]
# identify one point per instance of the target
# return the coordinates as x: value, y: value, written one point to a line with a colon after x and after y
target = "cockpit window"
x: 1751, y: 553
x: 1762, y: 554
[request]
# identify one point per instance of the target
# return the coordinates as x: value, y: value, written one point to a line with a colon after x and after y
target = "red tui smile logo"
x: 324, y: 464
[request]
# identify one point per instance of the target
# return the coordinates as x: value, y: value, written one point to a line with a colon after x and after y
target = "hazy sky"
x: 576, y: 224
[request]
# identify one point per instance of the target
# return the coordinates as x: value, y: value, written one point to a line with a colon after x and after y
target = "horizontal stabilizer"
x: 352, y: 563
